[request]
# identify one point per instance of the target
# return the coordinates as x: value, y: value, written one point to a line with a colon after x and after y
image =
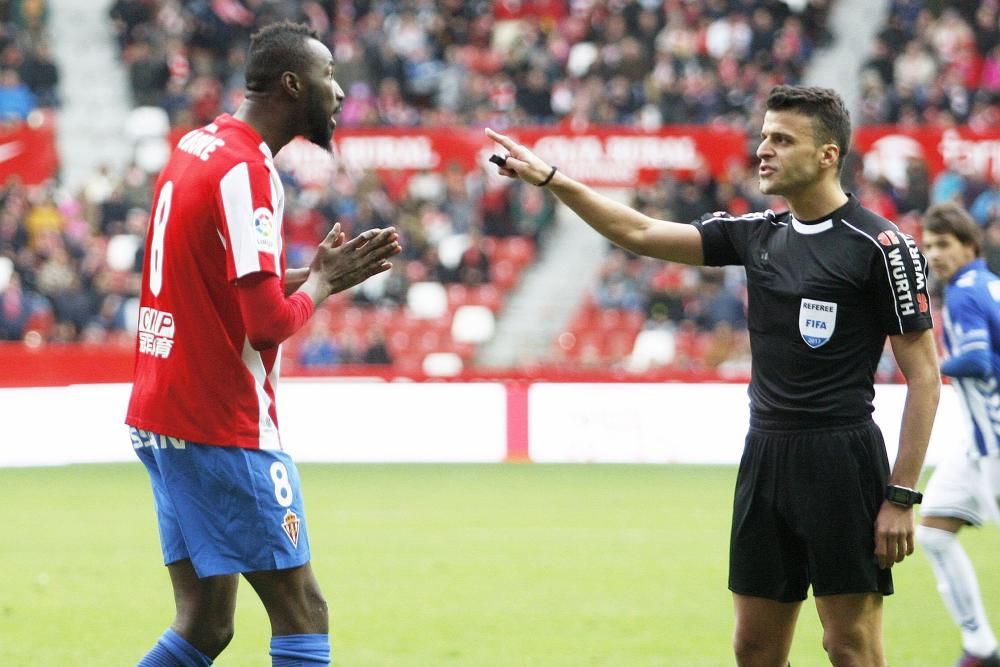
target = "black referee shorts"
x: 804, y: 512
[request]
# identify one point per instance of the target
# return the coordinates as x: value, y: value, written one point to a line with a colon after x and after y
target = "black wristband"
x: 548, y: 178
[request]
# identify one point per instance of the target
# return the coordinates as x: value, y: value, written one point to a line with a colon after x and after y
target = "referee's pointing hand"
x: 521, y: 163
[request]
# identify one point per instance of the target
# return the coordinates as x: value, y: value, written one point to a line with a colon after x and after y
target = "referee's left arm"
x: 916, y: 357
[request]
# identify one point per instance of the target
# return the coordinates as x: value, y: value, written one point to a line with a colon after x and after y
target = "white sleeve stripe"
x: 237, y: 202
x: 749, y: 217
x: 888, y: 270
x: 267, y: 432
x: 277, y: 197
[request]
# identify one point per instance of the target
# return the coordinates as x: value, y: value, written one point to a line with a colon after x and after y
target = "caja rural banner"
x: 600, y: 156
x: 887, y: 151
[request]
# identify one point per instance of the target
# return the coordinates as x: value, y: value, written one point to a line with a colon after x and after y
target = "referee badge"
x: 290, y: 524
x: 817, y: 320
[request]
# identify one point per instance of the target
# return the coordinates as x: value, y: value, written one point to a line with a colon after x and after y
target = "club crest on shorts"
x: 290, y: 524
x: 817, y: 320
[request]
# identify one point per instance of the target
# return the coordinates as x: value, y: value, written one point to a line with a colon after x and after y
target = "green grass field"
x: 436, y: 565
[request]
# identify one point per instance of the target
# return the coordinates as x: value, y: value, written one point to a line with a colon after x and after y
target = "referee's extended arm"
x: 620, y: 224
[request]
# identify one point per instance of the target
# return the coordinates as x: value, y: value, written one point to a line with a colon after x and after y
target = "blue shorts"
x: 228, y: 509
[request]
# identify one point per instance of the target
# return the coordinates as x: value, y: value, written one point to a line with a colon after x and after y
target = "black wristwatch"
x: 903, y: 496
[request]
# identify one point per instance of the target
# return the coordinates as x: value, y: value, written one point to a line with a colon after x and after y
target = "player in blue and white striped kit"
x: 965, y: 490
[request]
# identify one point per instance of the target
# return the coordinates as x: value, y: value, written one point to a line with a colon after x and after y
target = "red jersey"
x: 217, y: 217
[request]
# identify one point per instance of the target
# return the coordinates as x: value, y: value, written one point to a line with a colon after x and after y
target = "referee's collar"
x: 822, y: 224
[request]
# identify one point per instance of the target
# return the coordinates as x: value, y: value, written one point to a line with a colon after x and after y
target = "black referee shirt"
x: 823, y: 296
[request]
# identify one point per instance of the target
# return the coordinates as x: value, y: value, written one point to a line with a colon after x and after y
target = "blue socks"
x: 173, y: 651
x: 286, y: 651
x: 300, y: 650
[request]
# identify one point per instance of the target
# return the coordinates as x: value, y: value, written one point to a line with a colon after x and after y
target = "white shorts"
x: 964, y: 488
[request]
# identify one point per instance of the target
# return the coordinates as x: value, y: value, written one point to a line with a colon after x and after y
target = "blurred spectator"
x: 16, y: 99
x: 41, y: 75
x: 376, y: 352
x: 319, y: 349
x: 17, y: 306
x: 985, y: 209
x: 934, y: 65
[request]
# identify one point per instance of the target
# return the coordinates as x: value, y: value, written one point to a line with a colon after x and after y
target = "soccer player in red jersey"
x: 217, y: 301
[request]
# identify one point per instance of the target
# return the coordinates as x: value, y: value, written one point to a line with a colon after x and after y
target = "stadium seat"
x: 503, y: 274
x: 121, y: 250
x: 458, y: 295
x: 427, y: 300
x: 653, y: 348
x: 486, y: 295
x: 398, y: 343
x: 473, y: 324
x: 515, y: 249
x: 442, y: 364
x: 6, y: 271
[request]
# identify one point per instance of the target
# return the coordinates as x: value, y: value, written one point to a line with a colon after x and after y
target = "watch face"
x: 902, y: 496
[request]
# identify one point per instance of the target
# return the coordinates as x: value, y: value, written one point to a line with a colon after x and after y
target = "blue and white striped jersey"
x: 972, y: 338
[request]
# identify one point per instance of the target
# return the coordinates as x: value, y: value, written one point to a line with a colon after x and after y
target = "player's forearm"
x: 268, y: 317
x: 922, y: 396
x: 315, y: 288
x: 620, y: 224
x: 294, y: 278
x: 626, y: 227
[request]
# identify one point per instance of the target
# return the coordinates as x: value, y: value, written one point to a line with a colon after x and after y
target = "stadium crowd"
x: 74, y: 258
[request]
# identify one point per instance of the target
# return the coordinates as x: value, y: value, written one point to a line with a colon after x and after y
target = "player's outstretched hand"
x: 520, y: 162
x: 343, y: 264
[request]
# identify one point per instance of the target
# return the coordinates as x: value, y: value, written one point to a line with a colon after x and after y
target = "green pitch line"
x: 502, y: 565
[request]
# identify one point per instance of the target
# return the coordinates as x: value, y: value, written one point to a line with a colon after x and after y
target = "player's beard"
x: 318, y: 128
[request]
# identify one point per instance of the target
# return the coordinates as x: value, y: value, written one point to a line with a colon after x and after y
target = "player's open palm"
x: 343, y: 264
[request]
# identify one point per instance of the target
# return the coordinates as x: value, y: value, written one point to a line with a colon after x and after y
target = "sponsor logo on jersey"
x: 264, y: 230
x: 907, y: 291
x: 817, y: 320
x: 290, y: 524
x: 911, y: 245
x: 888, y: 237
x: 156, y: 332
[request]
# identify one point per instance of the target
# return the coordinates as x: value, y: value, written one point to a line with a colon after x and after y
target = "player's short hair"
x: 950, y: 218
x: 275, y: 49
x: 831, y: 120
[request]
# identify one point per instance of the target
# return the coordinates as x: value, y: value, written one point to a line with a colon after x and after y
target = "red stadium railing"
x: 23, y: 365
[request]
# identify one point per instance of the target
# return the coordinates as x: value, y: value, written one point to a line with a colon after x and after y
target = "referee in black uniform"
x: 815, y: 504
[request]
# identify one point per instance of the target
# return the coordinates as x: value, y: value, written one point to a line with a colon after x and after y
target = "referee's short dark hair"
x: 275, y: 49
x: 824, y: 105
x: 950, y: 218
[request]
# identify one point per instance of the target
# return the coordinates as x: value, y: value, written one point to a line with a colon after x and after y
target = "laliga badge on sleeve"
x: 264, y: 230
x: 817, y: 320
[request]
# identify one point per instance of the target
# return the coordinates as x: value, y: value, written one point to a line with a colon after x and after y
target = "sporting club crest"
x: 291, y: 524
x: 817, y: 319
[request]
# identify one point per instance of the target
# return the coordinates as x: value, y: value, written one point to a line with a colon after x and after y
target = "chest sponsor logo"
x: 264, y: 230
x: 156, y: 332
x: 817, y: 320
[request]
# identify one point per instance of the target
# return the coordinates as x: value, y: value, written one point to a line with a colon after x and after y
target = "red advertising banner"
x: 601, y: 156
x: 886, y: 151
x: 28, y: 150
